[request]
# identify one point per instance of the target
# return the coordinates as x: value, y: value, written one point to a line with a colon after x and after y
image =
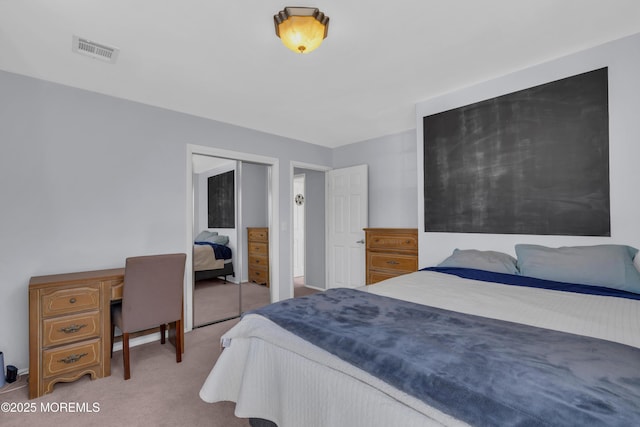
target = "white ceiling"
x: 221, y: 59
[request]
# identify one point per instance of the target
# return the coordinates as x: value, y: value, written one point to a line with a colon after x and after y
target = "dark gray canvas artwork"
x: 222, y: 205
x: 534, y: 161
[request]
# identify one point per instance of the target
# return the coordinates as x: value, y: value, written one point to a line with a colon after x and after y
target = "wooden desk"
x: 70, y: 326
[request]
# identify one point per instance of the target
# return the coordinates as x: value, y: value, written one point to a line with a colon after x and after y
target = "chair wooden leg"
x: 113, y: 333
x: 163, y: 330
x: 178, y: 341
x: 125, y: 355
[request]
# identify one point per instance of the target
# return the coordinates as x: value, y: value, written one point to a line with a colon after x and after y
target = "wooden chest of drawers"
x: 390, y: 252
x: 69, y: 327
x: 258, y: 244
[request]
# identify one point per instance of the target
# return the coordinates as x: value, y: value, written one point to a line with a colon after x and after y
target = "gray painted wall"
x: 254, y: 195
x: 87, y: 180
x: 392, y: 164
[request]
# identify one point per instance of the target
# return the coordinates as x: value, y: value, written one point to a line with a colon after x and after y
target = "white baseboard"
x: 144, y: 339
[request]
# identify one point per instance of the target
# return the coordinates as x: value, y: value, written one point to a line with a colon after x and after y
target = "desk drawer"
x: 66, y: 329
x: 71, y: 300
x: 70, y: 357
x: 393, y: 262
x: 116, y: 290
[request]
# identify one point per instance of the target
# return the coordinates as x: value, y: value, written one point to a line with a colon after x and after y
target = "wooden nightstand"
x: 390, y: 252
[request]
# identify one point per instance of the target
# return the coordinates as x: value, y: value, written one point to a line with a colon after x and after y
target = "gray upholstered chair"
x: 151, y: 297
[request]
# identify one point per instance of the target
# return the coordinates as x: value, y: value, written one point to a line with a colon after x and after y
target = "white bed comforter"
x: 205, y: 259
x: 273, y: 374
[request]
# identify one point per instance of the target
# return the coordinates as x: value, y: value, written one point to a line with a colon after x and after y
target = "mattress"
x: 204, y: 259
x: 273, y: 374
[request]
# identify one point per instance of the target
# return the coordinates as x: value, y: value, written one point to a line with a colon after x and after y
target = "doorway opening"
x: 308, y: 236
x: 298, y: 230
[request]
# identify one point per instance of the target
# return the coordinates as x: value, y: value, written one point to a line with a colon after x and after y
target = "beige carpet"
x: 215, y: 300
x: 159, y: 393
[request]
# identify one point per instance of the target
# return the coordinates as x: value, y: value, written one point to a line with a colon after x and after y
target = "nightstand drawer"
x: 70, y: 357
x: 258, y: 261
x: 72, y: 300
x: 258, y: 276
x: 258, y: 248
x: 378, y: 276
x: 66, y: 329
x: 395, y: 242
x: 258, y: 235
x: 394, y: 262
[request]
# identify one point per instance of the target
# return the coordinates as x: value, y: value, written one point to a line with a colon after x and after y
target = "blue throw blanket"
x: 483, y: 371
x: 219, y: 251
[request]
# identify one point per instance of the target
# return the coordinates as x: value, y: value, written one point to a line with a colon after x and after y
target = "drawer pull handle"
x: 392, y: 262
x: 72, y: 358
x: 72, y: 328
x: 72, y: 301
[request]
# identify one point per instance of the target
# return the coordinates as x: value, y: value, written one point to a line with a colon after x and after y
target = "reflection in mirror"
x: 226, y: 194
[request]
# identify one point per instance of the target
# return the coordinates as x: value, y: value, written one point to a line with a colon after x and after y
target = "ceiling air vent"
x: 95, y: 50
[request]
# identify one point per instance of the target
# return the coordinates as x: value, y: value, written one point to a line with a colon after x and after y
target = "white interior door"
x: 348, y: 209
x: 298, y: 225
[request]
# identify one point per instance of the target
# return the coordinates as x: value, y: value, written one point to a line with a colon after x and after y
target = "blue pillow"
x: 610, y: 266
x: 497, y: 262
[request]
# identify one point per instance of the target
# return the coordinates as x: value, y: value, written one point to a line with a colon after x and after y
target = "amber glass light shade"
x: 301, y: 29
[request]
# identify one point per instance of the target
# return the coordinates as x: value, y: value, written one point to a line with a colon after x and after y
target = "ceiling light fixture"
x: 301, y: 29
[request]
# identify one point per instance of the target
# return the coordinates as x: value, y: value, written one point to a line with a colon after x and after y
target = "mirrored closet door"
x: 228, y: 197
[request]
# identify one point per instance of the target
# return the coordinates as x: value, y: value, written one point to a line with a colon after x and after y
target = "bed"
x: 548, y: 352
x: 212, y: 257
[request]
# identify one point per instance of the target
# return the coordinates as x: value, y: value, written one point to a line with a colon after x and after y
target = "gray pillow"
x: 497, y: 262
x: 610, y: 266
x: 204, y: 235
x: 218, y: 239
